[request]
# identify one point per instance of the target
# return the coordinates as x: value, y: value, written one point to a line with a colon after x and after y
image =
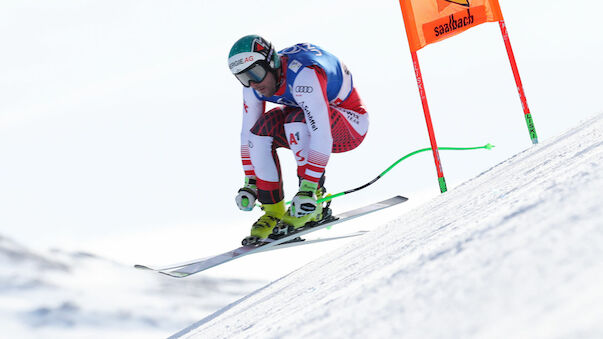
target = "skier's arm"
x: 310, y: 90
x: 252, y: 110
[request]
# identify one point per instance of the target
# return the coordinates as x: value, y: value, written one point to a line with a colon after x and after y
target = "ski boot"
x: 290, y: 224
x: 262, y: 228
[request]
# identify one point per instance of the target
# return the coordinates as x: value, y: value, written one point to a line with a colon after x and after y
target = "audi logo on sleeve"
x: 304, y: 89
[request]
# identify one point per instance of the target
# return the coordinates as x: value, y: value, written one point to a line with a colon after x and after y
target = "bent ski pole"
x: 333, y: 196
x: 336, y: 195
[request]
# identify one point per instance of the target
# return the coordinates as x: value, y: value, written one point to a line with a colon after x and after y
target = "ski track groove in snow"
x: 513, y: 253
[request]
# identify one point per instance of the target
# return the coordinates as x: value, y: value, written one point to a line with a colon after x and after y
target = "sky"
x: 120, y: 122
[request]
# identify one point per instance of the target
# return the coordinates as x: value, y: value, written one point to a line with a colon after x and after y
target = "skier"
x: 321, y: 114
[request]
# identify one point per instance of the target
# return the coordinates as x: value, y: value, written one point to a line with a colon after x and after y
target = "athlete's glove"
x: 304, y: 202
x: 247, y: 195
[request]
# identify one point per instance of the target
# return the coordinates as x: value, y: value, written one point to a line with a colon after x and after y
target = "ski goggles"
x: 256, y: 73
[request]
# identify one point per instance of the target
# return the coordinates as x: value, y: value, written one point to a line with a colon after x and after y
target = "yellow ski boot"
x: 305, y: 207
x: 262, y: 228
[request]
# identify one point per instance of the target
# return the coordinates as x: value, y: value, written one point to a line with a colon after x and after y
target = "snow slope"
x: 516, y: 252
x: 79, y: 295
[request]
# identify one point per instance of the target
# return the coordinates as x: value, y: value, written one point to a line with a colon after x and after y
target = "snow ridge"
x: 58, y: 294
x: 513, y: 253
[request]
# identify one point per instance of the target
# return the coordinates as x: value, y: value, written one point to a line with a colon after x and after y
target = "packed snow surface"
x: 516, y: 252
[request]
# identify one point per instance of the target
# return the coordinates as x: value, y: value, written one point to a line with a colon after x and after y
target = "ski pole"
x: 333, y: 196
x: 336, y: 195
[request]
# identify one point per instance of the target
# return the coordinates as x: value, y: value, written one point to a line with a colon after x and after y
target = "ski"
x: 188, y: 268
x: 300, y: 241
x: 292, y: 243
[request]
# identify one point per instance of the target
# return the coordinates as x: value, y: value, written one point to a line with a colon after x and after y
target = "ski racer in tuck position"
x: 321, y: 113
